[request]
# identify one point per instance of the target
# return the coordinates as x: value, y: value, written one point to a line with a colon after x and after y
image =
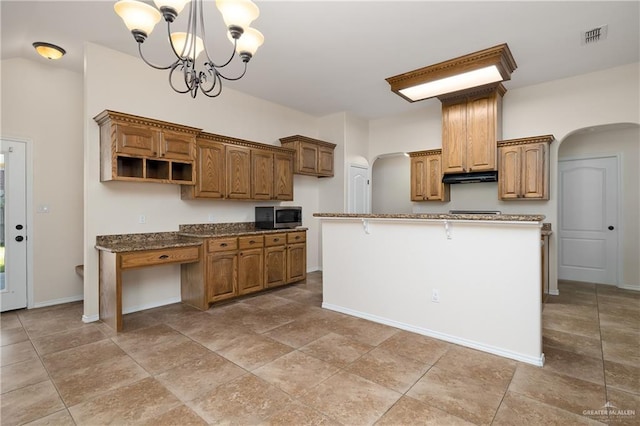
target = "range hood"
x: 490, y: 176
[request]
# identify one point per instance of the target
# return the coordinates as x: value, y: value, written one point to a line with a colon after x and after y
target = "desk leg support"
x: 110, y: 290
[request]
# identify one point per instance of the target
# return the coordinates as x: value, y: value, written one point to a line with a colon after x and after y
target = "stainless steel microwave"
x: 278, y: 217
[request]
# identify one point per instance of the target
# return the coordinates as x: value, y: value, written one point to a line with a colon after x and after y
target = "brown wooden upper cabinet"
x: 426, y: 176
x: 135, y: 148
x: 523, y: 172
x: 471, y: 126
x: 229, y: 168
x: 313, y: 157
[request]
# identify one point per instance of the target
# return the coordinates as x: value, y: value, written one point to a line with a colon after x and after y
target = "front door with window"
x: 13, y: 226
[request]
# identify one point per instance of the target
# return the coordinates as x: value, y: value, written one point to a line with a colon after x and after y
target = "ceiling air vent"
x: 594, y: 35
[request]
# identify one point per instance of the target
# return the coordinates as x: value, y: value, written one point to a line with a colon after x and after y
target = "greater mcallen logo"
x: 609, y: 410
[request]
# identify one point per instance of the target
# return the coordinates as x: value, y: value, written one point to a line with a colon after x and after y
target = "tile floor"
x: 278, y: 358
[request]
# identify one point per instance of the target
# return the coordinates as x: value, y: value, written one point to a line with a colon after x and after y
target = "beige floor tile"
x: 459, y: 394
x: 569, y: 324
x: 408, y: 411
x: 17, y: 352
x: 623, y: 352
x: 491, y: 370
x: 85, y: 383
x: 367, y: 332
x: 68, y: 339
x: 574, y: 365
x: 21, y: 374
x: 262, y: 320
x: 388, y: 369
x: 162, y: 357
x: 298, y: 415
x: 350, y: 399
x: 44, y: 321
x: 137, y: 320
x: 625, y: 407
x: 416, y: 347
x: 298, y: 333
x: 336, y: 349
x: 560, y: 391
x: 243, y: 401
x: 9, y: 320
x: 59, y: 418
x: 253, y: 351
x: 570, y: 342
x: 136, y: 340
x: 574, y: 298
x: 295, y: 372
x: 29, y: 403
x: 179, y: 416
x: 198, y: 376
x: 517, y: 409
x: 9, y: 336
x: 620, y: 321
x: 64, y: 362
x: 219, y: 336
x: 132, y: 404
x: 585, y: 312
x: 168, y: 313
x: 267, y: 301
x: 623, y: 377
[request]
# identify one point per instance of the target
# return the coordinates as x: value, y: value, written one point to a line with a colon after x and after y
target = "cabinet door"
x: 238, y: 172
x: 261, y: 175
x: 296, y: 262
x: 481, y: 134
x: 533, y: 183
x: 137, y: 140
x: 509, y: 173
x: 177, y: 145
x: 210, y: 169
x: 454, y: 137
x: 275, y: 263
x: 418, y: 178
x: 250, y: 270
x: 283, y: 177
x: 308, y: 158
x: 221, y: 278
x: 435, y: 189
x: 325, y: 161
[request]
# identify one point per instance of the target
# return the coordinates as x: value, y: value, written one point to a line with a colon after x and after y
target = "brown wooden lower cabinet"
x: 235, y: 266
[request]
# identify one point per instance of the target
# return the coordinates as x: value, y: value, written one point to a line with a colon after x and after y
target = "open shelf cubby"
x: 130, y: 167
x: 157, y: 169
x: 182, y: 171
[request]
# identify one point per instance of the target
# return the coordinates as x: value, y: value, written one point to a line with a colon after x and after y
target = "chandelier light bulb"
x: 140, y: 18
x: 182, y: 42
x: 238, y: 13
x: 249, y: 42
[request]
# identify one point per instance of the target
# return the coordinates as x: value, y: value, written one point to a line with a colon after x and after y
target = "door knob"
x: 19, y: 238
x: 19, y: 227
x: 611, y: 228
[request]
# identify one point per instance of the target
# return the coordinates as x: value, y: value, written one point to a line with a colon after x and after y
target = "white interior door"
x: 13, y: 232
x: 588, y: 228
x: 358, y: 189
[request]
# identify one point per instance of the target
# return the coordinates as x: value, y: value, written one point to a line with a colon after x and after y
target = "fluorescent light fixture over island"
x: 477, y: 69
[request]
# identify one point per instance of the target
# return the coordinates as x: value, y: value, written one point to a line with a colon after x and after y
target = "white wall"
x: 43, y: 105
x: 611, y: 140
x: 557, y: 107
x: 124, y: 83
x: 390, y: 188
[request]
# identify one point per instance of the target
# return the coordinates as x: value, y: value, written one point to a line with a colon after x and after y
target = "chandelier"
x: 184, y: 75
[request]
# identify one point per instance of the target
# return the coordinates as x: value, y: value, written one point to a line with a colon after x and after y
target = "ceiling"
x: 322, y: 57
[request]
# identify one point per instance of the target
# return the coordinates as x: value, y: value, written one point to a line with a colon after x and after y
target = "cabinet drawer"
x: 296, y: 237
x: 222, y: 244
x: 159, y: 257
x: 249, y: 242
x: 275, y: 240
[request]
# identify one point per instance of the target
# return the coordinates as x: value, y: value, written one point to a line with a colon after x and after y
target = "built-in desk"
x: 120, y: 253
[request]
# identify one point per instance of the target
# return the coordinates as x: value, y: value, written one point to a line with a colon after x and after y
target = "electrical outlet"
x: 435, y: 296
x: 142, y: 219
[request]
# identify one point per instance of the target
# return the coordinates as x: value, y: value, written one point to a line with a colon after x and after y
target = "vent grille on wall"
x: 594, y: 35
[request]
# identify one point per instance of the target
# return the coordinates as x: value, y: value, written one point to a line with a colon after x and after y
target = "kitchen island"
x: 472, y: 280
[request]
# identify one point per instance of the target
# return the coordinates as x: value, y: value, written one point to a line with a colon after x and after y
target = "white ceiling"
x: 323, y: 57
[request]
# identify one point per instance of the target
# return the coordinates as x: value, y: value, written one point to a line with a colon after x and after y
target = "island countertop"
x: 438, y: 216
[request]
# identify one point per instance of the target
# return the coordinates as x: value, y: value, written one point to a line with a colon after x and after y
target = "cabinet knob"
x: 252, y: 242
x: 610, y: 228
x: 275, y: 240
x: 223, y: 244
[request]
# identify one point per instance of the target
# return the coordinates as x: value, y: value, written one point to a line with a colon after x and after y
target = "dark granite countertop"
x: 187, y: 236
x: 120, y: 243
x: 439, y: 216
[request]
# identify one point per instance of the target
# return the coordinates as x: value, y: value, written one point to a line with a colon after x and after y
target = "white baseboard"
x: 131, y: 309
x: 537, y: 361
x: 53, y: 302
x: 629, y: 287
x: 554, y: 292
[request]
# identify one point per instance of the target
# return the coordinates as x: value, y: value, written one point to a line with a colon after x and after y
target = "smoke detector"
x: 594, y: 35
